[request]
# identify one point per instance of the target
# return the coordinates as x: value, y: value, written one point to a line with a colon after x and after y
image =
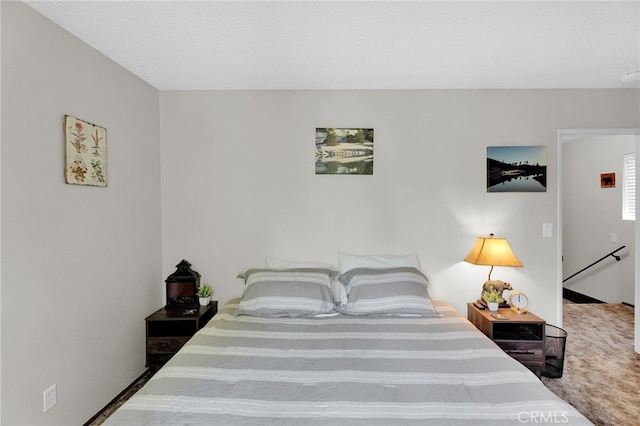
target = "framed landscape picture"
x: 344, y: 151
x: 85, y: 153
x: 517, y: 169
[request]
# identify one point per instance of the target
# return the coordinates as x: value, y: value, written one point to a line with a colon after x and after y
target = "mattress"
x: 341, y: 369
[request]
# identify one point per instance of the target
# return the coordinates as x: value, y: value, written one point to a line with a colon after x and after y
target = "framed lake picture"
x: 85, y: 153
x: 344, y: 151
x: 516, y: 169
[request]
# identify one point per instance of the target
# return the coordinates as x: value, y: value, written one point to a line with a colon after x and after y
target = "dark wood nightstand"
x: 169, y: 329
x: 521, y: 335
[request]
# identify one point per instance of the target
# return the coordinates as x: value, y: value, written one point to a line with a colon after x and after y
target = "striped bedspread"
x: 343, y: 370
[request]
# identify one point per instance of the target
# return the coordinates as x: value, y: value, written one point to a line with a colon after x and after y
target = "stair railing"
x: 613, y: 254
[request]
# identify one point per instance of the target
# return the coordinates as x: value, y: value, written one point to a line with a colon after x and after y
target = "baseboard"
x: 575, y: 297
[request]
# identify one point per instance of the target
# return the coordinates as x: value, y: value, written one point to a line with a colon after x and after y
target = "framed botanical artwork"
x: 516, y: 169
x: 347, y: 151
x: 85, y: 153
x: 607, y: 180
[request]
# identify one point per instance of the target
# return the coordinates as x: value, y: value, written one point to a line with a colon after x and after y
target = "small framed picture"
x: 347, y: 151
x: 85, y: 153
x: 608, y: 180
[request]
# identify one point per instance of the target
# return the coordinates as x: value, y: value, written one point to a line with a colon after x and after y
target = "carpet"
x: 601, y: 376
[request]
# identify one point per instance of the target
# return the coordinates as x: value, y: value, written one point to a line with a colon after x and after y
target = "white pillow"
x: 339, y: 292
x: 273, y: 263
x: 353, y: 261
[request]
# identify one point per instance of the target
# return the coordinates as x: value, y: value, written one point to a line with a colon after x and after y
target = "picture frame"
x: 85, y: 153
x: 516, y: 169
x: 607, y: 180
x: 342, y: 150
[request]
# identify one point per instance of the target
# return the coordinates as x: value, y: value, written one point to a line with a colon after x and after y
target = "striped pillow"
x: 392, y: 291
x: 300, y: 292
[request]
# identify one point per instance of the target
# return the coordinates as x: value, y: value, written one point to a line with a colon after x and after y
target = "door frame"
x: 567, y: 135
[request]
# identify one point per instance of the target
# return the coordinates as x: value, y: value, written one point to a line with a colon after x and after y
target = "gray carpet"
x: 601, y: 377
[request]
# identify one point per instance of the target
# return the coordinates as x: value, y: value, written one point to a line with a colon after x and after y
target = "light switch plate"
x: 547, y: 230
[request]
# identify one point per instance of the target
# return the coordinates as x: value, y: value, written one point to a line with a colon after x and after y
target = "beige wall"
x: 0, y: 220
x: 239, y: 182
x: 80, y: 265
x: 591, y: 214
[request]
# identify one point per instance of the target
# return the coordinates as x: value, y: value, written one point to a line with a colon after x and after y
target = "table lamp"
x: 492, y: 252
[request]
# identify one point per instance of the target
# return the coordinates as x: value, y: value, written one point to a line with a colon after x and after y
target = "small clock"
x: 518, y: 301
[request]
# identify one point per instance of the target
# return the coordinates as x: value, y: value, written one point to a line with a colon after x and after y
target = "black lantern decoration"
x: 182, y: 287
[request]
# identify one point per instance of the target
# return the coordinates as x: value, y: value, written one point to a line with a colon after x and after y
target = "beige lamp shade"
x: 492, y: 252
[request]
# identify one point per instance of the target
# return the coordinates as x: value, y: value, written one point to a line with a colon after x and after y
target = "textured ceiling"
x: 239, y: 45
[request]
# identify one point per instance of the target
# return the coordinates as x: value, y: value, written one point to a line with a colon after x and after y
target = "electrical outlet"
x: 50, y: 398
x: 614, y: 238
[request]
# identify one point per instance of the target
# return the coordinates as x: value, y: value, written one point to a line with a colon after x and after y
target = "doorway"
x: 570, y: 135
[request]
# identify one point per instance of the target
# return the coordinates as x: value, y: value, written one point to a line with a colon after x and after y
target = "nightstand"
x: 520, y: 335
x: 169, y: 329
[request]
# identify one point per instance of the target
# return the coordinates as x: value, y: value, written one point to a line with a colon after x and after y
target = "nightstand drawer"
x: 521, y: 335
x: 166, y: 344
x: 523, y: 351
x: 168, y: 330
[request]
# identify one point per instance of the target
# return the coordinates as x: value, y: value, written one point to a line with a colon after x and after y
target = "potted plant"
x: 493, y: 297
x: 204, y: 294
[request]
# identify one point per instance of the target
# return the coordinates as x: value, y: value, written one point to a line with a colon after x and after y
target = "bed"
x: 285, y: 355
